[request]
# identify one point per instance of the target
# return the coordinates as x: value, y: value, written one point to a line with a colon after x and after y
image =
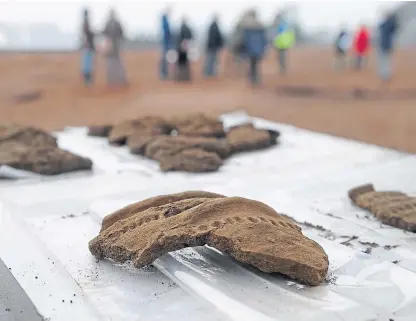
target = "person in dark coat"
x: 114, y: 35
x: 387, y: 33
x: 88, y: 50
x: 255, y: 42
x: 183, y: 68
x: 341, y: 49
x: 166, y: 45
x: 215, y: 42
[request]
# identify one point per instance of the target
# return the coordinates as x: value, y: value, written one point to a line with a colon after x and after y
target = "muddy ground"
x: 45, y: 90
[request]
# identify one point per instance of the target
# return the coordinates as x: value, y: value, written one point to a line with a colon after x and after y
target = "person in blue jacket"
x: 387, y: 33
x: 88, y: 49
x: 166, y: 44
x: 255, y: 42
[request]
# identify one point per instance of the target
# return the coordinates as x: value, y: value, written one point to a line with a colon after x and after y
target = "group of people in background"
x: 247, y: 46
x: 110, y: 46
x: 361, y: 43
x: 181, y: 43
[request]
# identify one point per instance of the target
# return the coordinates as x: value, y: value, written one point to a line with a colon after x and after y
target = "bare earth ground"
x: 387, y: 117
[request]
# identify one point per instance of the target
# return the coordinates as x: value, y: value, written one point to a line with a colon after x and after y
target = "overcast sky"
x: 143, y: 16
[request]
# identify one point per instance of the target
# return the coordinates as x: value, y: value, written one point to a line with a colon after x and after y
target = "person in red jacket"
x: 361, y: 46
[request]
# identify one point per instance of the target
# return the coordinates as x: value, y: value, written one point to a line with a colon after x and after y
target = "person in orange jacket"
x: 361, y: 46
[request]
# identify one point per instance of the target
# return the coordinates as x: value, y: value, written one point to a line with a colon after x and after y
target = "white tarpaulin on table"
x: 49, y: 223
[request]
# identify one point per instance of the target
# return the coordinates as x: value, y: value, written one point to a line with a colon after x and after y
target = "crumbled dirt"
x: 301, y: 91
x: 193, y: 160
x: 370, y: 244
x: 99, y: 130
x: 149, y: 125
x: 390, y: 207
x: 331, y: 279
x: 316, y: 227
x: 26, y: 97
x: 348, y: 242
x: 246, y: 138
x: 389, y: 247
x: 368, y: 250
x: 168, y: 146
x: 28, y: 136
x: 198, y: 124
x: 47, y: 160
x: 249, y: 231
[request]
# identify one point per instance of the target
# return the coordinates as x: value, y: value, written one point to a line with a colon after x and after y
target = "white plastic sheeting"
x: 49, y: 223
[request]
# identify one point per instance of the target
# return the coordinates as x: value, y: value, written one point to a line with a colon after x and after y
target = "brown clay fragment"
x: 138, y: 141
x: 391, y: 207
x: 146, y: 125
x: 193, y: 160
x: 134, y: 208
x: 99, y: 130
x: 198, y: 124
x: 32, y: 149
x: 45, y: 160
x: 167, y: 146
x: 246, y: 137
x: 28, y: 136
x: 249, y: 231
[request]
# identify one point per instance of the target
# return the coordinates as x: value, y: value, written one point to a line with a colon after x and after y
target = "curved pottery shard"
x: 246, y: 138
x: 249, y: 231
x: 391, y: 207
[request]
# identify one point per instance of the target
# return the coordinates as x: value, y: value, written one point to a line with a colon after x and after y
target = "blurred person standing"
x: 215, y: 42
x: 387, y: 31
x: 255, y: 42
x: 341, y: 49
x: 114, y: 35
x: 166, y: 45
x: 88, y: 50
x: 238, y: 54
x: 361, y: 46
x: 183, y: 45
x: 284, y: 40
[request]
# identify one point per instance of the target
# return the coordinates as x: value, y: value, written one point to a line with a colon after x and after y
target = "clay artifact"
x: 192, y: 160
x: 181, y: 153
x: 99, y: 130
x: 150, y: 125
x: 198, y: 124
x: 34, y: 150
x: 44, y: 160
x: 249, y: 231
x: 167, y: 146
x: 28, y: 136
x: 246, y: 138
x: 391, y: 207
